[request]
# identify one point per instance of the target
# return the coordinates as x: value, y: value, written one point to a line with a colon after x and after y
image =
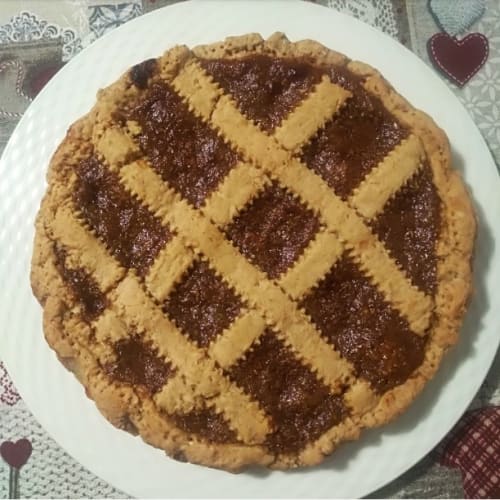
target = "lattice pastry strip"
x: 312, y: 265
x: 310, y: 115
x: 76, y: 332
x: 242, y: 184
x: 167, y: 269
x: 234, y: 341
x: 203, y: 98
x: 360, y: 397
x: 384, y: 181
x: 184, y: 401
x: 66, y: 228
x: 110, y: 327
x: 178, y: 396
x: 116, y: 145
x: 265, y: 151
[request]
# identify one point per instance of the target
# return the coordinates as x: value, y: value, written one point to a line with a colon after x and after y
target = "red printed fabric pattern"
x: 474, y: 448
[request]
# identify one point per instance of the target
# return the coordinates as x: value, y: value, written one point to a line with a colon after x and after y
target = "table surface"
x: 37, y: 37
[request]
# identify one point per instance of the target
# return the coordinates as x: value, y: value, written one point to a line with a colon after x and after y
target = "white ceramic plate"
x: 58, y: 401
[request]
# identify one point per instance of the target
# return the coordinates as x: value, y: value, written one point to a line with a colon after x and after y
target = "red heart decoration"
x: 16, y: 454
x: 40, y: 76
x: 459, y: 60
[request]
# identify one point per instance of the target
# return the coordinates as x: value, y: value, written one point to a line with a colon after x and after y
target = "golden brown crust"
x: 200, y: 382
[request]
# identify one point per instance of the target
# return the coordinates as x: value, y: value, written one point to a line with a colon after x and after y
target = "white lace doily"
x: 378, y: 13
x: 28, y: 27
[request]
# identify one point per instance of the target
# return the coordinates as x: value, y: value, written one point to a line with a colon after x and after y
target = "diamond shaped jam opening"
x: 202, y: 305
x: 358, y: 137
x: 265, y: 88
x: 186, y: 152
x: 273, y: 230
x: 207, y: 424
x: 85, y: 289
x: 132, y: 233
x: 142, y: 72
x: 300, y: 406
x: 352, y: 315
x: 137, y: 363
x: 409, y: 227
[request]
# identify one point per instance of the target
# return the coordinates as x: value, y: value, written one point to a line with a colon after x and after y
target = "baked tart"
x: 252, y: 250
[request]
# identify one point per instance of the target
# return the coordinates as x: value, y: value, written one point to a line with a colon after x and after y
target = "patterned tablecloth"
x: 37, y: 37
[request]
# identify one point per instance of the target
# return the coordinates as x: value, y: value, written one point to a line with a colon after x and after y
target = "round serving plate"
x: 53, y: 394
